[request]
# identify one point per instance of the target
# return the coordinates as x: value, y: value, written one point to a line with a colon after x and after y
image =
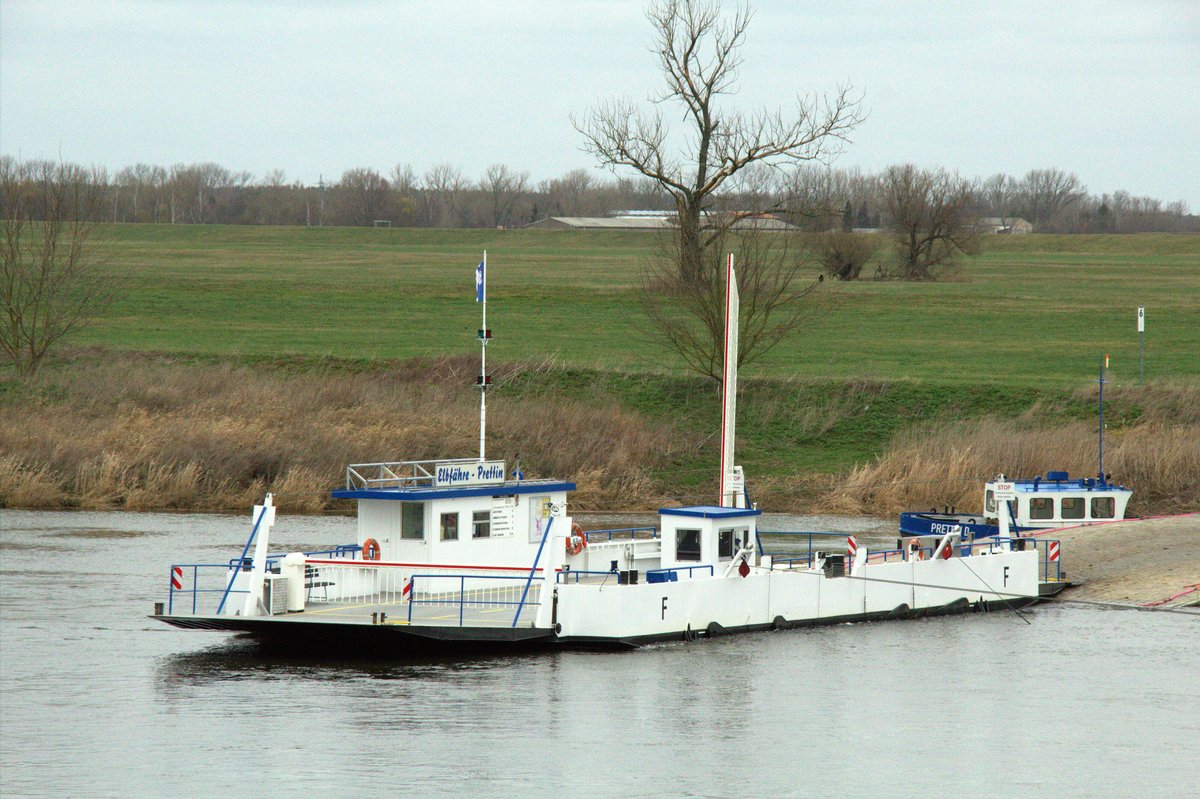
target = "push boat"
x: 1057, y: 501
x: 464, y: 554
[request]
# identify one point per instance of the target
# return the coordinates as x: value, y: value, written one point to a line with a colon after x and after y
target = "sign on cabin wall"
x: 540, y: 511
x: 469, y: 474
x: 504, y: 516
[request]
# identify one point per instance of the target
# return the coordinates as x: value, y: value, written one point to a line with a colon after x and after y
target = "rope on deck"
x: 1172, y: 598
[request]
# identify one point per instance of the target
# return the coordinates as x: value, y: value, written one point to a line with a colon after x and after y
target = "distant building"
x: 1005, y: 224
x: 646, y: 220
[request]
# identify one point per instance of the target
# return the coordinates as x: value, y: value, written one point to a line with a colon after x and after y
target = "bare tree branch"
x: 50, y: 282
x: 699, y: 54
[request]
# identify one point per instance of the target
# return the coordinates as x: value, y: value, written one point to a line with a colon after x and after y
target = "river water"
x: 98, y: 700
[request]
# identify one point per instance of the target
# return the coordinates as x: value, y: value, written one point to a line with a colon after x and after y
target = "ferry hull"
x: 401, y: 640
x: 623, y: 615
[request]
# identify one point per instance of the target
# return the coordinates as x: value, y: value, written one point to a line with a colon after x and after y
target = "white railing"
x: 395, y: 473
x: 369, y: 583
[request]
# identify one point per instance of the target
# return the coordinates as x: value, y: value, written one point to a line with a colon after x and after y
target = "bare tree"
x: 933, y: 219
x: 567, y: 195
x: 51, y: 281
x: 843, y: 254
x: 404, y: 194
x: 362, y: 195
x: 1047, y: 193
x: 443, y: 185
x: 687, y: 313
x: 503, y: 188
x: 698, y: 55
x: 999, y: 194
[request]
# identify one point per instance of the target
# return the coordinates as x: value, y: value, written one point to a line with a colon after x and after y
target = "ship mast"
x: 485, y: 336
x: 732, y: 488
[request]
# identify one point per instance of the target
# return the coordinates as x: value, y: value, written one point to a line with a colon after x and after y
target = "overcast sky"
x: 1108, y: 90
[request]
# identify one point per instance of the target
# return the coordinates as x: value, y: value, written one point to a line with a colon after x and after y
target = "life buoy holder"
x: 370, y: 549
x: 576, y: 541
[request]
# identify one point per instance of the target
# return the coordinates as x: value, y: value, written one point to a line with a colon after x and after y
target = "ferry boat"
x: 463, y: 553
x: 1056, y: 501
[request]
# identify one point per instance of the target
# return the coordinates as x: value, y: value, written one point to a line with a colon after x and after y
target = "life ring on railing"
x: 370, y: 549
x: 576, y: 541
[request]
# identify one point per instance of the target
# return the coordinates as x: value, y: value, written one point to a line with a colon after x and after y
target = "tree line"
x: 815, y: 198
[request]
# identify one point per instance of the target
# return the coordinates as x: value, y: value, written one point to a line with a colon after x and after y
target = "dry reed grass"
x: 926, y: 468
x: 142, y: 433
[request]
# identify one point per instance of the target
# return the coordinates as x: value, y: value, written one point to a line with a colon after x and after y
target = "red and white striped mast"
x: 732, y: 489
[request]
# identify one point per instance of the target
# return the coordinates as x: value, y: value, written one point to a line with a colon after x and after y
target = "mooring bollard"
x: 158, y: 608
x: 374, y: 618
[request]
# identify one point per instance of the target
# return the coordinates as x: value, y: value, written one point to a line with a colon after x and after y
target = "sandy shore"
x: 1134, y: 562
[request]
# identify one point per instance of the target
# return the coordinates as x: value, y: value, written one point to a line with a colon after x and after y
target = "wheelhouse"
x: 1059, y: 500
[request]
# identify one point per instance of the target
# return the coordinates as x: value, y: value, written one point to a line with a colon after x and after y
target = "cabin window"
x: 989, y: 501
x: 725, y: 544
x: 1072, y: 507
x: 449, y: 526
x: 412, y: 521
x: 687, y: 545
x: 1104, y: 507
x: 481, y: 524
x: 1041, y: 508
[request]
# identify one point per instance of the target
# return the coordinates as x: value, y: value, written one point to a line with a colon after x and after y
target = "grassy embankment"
x: 243, y: 359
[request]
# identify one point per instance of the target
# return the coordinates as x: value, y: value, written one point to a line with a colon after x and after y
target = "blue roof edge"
x: 709, y: 512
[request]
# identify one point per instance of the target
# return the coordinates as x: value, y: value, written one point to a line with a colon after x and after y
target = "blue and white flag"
x: 480, y: 280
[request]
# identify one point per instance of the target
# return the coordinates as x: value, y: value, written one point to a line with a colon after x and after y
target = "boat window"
x: 687, y: 545
x: 482, y: 524
x: 725, y: 544
x: 449, y: 526
x: 1104, y: 507
x: 1041, y: 508
x: 412, y: 520
x: 989, y: 501
x: 1072, y: 507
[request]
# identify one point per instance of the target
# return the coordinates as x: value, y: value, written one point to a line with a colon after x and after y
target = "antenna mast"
x: 485, y: 335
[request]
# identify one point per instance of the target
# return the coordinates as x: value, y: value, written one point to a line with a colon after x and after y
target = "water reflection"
x: 244, y: 658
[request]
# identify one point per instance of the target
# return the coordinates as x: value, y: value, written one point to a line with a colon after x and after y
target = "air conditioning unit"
x: 274, y: 597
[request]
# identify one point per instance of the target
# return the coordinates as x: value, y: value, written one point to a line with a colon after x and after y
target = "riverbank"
x: 1135, y: 562
x: 101, y: 429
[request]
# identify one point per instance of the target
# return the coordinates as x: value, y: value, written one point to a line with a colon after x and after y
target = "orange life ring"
x: 576, y: 541
x: 370, y: 549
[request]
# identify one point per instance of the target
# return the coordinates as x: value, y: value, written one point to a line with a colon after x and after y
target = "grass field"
x: 1029, y: 310
x: 242, y: 359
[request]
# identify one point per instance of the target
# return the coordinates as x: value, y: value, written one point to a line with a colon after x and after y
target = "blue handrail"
x: 564, y: 576
x: 676, y: 569
x: 633, y: 531
x: 532, y: 569
x: 245, y: 549
x: 462, y: 593
x: 340, y: 550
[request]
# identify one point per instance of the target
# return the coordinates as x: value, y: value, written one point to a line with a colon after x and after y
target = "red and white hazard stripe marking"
x: 1053, y: 550
x: 177, y: 578
x: 407, y: 587
x: 851, y: 546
